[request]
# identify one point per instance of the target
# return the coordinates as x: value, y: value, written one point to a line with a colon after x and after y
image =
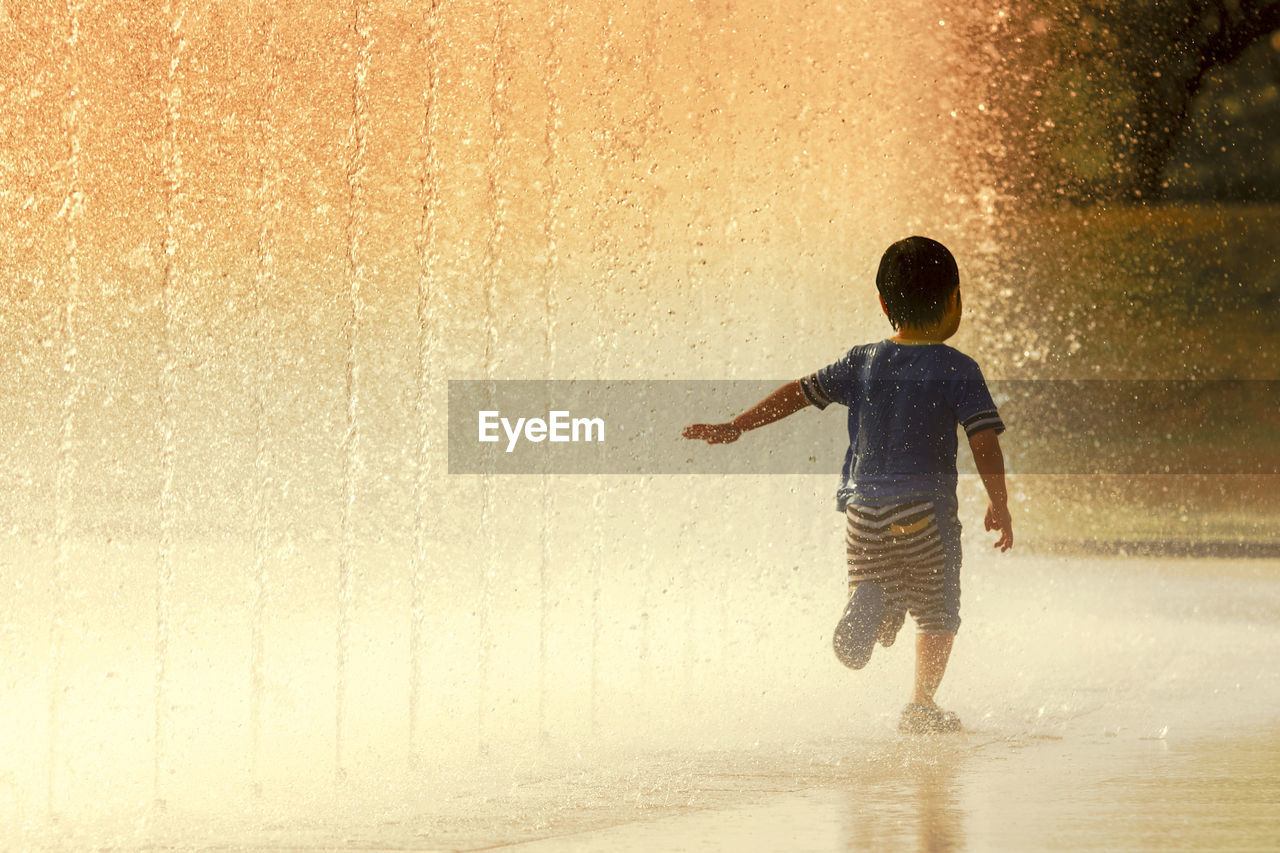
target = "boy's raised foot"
x: 855, y: 635
x: 890, y: 626
x: 919, y: 719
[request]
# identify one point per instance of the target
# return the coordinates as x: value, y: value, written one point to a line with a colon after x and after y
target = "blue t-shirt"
x: 904, y: 403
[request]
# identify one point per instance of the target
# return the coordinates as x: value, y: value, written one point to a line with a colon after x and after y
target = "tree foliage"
x: 1111, y: 85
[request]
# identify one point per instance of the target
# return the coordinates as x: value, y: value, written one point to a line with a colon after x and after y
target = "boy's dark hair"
x: 916, y: 277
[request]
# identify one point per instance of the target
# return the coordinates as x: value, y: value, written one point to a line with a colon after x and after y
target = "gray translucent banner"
x: 1201, y: 427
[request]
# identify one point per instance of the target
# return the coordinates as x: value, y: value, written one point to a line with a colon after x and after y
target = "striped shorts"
x: 912, y: 550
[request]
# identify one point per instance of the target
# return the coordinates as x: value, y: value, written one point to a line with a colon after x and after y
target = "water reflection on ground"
x: 1210, y: 793
x: 1116, y: 704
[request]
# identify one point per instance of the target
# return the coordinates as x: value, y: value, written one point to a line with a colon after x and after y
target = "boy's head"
x: 916, y: 279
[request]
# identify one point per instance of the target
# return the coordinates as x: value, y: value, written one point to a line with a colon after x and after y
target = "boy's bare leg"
x: 932, y: 653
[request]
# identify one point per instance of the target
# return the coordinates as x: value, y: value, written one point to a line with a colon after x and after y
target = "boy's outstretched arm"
x: 990, y: 463
x: 787, y: 400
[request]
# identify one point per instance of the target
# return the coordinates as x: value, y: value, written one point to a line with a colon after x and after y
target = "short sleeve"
x: 971, y: 401
x: 831, y: 384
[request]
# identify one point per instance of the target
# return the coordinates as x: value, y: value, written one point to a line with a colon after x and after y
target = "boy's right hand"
x: 713, y: 433
x: 998, y: 519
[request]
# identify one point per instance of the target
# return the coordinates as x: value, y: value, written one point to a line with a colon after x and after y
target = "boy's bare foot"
x: 919, y: 719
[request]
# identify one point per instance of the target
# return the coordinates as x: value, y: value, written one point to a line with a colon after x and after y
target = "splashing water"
x: 553, y: 130
x: 264, y: 284
x: 279, y: 239
x: 351, y: 450
x: 72, y: 209
x: 428, y: 284
x: 168, y: 365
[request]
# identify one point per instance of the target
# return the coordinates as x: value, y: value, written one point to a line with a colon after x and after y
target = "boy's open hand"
x: 713, y: 433
x: 998, y: 519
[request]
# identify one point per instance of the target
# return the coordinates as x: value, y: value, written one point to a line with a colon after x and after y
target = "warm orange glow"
x: 238, y: 581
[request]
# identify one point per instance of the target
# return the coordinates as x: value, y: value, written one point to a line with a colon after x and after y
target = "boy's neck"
x: 908, y: 335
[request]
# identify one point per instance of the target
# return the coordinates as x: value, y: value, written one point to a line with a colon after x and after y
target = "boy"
x: 905, y: 396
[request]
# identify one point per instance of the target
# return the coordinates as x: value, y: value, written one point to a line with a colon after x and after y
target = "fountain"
x: 232, y: 318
